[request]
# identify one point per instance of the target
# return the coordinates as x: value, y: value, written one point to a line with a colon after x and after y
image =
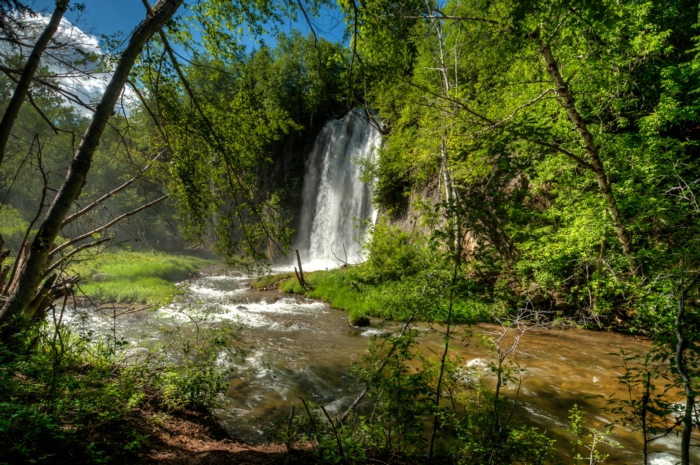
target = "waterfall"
x: 335, y: 202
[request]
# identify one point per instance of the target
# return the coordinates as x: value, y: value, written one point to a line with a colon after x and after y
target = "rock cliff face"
x: 407, y: 217
x: 284, y: 176
x: 317, y: 174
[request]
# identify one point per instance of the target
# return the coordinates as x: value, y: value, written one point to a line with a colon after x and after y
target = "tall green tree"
x: 553, y: 117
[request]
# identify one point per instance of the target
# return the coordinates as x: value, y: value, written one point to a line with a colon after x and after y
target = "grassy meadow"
x: 136, y: 277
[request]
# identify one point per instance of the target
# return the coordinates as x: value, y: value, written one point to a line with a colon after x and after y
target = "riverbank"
x: 136, y: 277
x: 149, y: 435
x: 341, y: 288
x: 296, y: 349
x: 183, y: 437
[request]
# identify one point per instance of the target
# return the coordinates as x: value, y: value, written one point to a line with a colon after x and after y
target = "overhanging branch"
x: 109, y: 194
x: 103, y: 227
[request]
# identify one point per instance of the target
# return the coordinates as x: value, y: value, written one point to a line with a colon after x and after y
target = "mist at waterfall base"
x: 336, y: 204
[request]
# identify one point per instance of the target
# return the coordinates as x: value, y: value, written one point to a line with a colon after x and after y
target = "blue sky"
x: 112, y: 16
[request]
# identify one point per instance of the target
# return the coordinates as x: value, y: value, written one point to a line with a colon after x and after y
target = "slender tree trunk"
x: 681, y: 347
x: 450, y: 193
x: 22, y: 89
x: 597, y: 164
x: 33, y: 269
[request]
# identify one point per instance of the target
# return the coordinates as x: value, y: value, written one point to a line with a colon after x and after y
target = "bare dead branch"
x: 74, y: 252
x: 111, y: 193
x: 103, y: 227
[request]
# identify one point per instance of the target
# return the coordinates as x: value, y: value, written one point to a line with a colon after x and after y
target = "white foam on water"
x: 476, y: 362
x: 537, y: 413
x: 250, y: 314
x: 287, y: 305
x: 663, y: 458
x: 374, y: 332
x: 214, y: 293
x: 338, y: 405
x: 224, y: 277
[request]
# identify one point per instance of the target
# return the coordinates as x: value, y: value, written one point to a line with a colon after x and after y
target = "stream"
x: 297, y: 347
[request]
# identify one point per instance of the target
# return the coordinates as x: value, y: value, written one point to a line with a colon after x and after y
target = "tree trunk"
x: 22, y: 89
x: 681, y: 347
x: 34, y: 267
x: 597, y: 164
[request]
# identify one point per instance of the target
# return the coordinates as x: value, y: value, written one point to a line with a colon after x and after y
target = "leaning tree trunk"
x: 33, y: 269
x: 22, y: 89
x: 598, y: 168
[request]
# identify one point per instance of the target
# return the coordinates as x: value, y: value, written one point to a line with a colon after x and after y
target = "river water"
x: 297, y: 347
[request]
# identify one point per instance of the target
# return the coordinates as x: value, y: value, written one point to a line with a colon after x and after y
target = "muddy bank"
x: 190, y: 437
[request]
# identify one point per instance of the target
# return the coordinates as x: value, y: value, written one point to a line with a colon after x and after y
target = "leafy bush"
x: 399, y: 407
x: 393, y: 255
x: 198, y: 377
x: 57, y: 387
x: 54, y: 385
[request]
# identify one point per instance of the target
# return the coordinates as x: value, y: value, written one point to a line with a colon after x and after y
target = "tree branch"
x: 103, y: 227
x: 25, y: 80
x: 576, y: 158
x: 109, y: 194
x: 74, y: 252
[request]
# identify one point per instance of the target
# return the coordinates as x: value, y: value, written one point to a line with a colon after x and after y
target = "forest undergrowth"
x: 70, y: 396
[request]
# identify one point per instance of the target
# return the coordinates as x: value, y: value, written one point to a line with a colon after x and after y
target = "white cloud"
x: 80, y: 65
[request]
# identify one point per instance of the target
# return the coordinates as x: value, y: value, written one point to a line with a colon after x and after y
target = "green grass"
x: 389, y: 299
x: 12, y: 227
x: 271, y: 281
x: 136, y: 277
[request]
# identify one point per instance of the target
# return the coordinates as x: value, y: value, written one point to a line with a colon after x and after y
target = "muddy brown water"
x: 297, y: 347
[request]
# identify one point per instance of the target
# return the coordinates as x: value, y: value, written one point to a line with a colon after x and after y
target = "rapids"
x: 302, y: 348
x: 297, y: 347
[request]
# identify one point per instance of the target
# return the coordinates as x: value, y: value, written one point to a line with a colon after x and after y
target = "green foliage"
x: 50, y: 393
x: 394, y: 254
x: 12, y: 226
x: 590, y: 442
x: 464, y: 90
x: 59, y: 390
x: 199, y: 376
x: 239, y: 131
x: 403, y: 274
x: 401, y: 384
x: 137, y: 442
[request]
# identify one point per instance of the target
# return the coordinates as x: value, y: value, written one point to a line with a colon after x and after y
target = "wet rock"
x: 360, y: 321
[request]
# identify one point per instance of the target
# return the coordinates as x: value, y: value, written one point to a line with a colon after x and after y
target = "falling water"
x: 335, y: 201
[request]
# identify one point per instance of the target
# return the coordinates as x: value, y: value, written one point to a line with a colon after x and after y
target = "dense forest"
x: 538, y: 169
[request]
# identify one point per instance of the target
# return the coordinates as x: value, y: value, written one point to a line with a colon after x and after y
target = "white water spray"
x: 335, y: 202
